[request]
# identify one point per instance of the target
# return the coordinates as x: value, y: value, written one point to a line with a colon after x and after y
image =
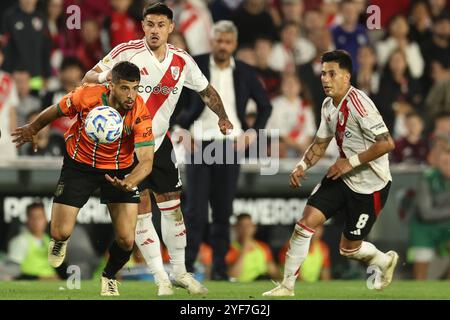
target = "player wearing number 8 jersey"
x: 357, y: 185
x: 164, y: 69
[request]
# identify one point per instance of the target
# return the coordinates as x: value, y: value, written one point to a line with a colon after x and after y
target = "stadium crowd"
x: 404, y: 66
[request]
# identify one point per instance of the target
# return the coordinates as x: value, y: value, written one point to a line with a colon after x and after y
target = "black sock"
x: 117, y: 259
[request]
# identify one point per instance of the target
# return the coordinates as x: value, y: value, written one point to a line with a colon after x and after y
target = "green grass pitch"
x: 144, y: 290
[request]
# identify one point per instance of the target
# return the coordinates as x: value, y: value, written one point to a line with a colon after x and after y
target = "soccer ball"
x: 103, y: 125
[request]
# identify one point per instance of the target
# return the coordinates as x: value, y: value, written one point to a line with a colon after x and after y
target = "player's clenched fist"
x: 339, y: 168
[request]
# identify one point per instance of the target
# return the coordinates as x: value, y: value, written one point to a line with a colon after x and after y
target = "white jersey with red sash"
x: 355, y: 123
x: 161, y: 82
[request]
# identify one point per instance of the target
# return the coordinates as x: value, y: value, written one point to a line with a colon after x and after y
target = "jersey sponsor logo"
x: 159, y: 89
x: 348, y: 134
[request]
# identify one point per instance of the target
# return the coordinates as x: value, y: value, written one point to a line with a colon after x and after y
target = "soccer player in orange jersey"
x: 110, y: 167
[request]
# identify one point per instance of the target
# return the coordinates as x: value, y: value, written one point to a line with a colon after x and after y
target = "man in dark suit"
x: 211, y: 177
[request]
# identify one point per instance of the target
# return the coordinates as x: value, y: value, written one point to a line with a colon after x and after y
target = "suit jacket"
x: 246, y: 86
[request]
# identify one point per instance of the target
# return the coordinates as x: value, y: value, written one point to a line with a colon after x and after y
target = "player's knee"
x: 145, y: 206
x: 126, y: 242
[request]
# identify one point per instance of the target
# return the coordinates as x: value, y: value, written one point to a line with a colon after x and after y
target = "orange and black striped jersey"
x: 137, y: 129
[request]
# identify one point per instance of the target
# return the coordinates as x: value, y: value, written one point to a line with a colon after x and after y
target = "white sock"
x: 369, y: 254
x: 147, y: 240
x: 298, y: 250
x: 174, y: 234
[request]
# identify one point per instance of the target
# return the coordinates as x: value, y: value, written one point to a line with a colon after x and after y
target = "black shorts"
x: 360, y: 210
x: 165, y: 176
x: 78, y: 182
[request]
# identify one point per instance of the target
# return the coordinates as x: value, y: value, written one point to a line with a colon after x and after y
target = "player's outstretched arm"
x: 143, y: 169
x: 383, y: 144
x: 212, y: 99
x: 27, y: 133
x: 96, y: 75
x: 312, y: 155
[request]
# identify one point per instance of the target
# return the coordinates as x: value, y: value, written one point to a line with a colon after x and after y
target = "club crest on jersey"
x: 175, y: 70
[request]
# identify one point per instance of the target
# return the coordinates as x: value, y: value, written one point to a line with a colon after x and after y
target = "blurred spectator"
x: 270, y: 78
x: 27, y: 102
x: 70, y: 76
x: 193, y: 20
x: 330, y: 10
x: 441, y: 128
x: 399, y: 93
x: 310, y: 73
x: 292, y: 50
x: 313, y: 20
x: 397, y: 38
x: 317, y: 264
x: 293, y: 116
x: 27, y: 46
x: 178, y: 40
x: 350, y: 34
x: 249, y: 259
x: 49, y: 142
x: 436, y: 48
x: 27, y: 252
x: 438, y: 8
x: 246, y: 54
x: 9, y: 101
x: 250, y: 14
x: 367, y: 77
x: 90, y: 50
x: 56, y: 29
x: 223, y: 9
x: 121, y: 26
x: 291, y: 11
x: 419, y: 22
x: 438, y: 98
x: 412, y: 148
x: 430, y: 227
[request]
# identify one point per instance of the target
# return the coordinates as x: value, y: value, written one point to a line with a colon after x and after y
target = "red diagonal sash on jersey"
x: 170, y: 79
x: 341, y: 123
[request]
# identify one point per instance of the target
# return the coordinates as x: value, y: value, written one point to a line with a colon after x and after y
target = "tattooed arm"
x: 313, y: 154
x: 212, y: 99
x: 383, y: 144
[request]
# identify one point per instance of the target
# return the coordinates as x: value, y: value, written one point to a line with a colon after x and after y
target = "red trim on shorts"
x: 377, y: 202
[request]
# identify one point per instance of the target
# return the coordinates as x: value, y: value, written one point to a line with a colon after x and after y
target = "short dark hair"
x: 69, y: 62
x: 341, y: 57
x: 158, y: 8
x: 243, y: 216
x: 34, y: 205
x: 125, y: 70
